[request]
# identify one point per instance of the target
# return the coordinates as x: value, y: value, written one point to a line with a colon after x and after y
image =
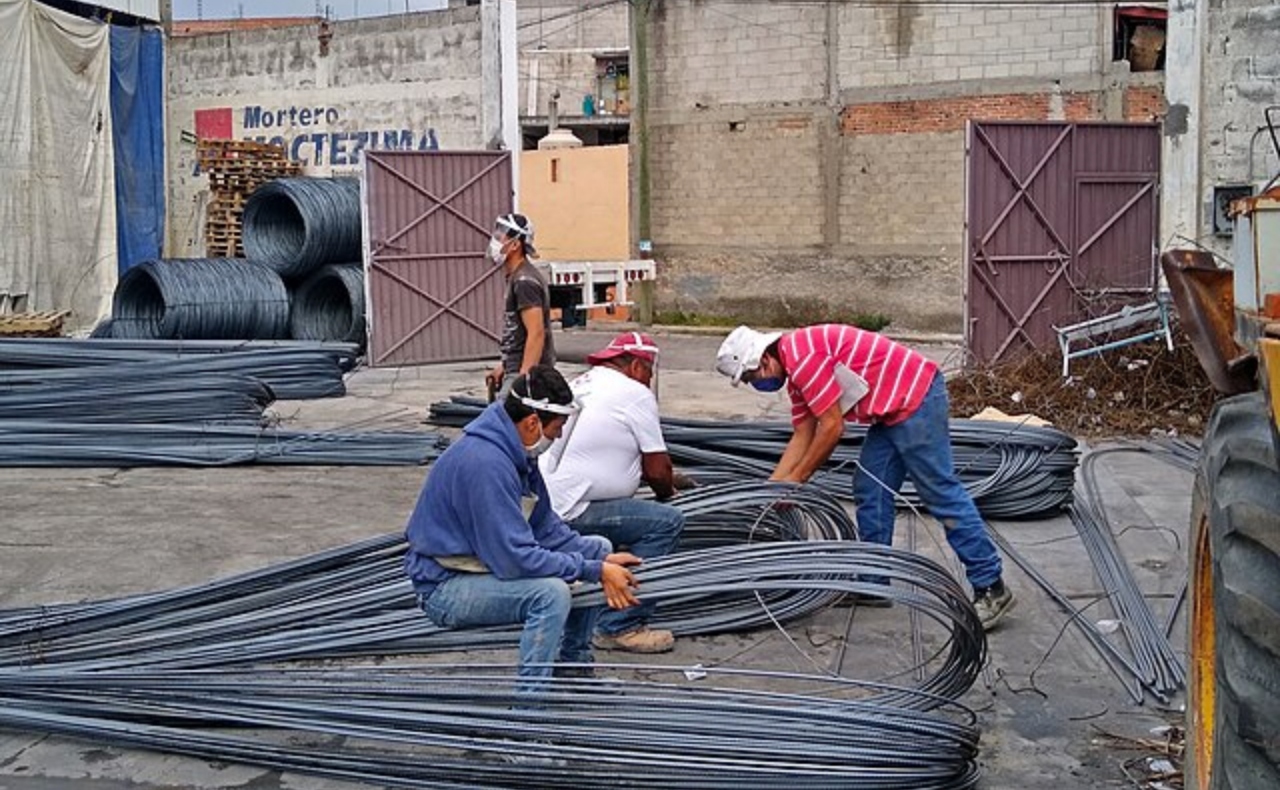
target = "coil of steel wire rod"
x: 737, y: 512
x: 214, y: 298
x: 297, y: 225
x: 329, y: 305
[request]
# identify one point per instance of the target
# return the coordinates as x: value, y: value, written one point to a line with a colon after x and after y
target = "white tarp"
x: 57, y: 200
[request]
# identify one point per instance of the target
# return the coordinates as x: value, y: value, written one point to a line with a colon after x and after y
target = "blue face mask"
x: 767, y: 385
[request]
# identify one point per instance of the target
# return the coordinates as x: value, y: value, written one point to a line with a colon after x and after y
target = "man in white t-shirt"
x: 593, y: 471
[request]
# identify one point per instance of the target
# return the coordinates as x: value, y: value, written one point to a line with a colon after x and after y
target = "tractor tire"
x: 1233, y: 691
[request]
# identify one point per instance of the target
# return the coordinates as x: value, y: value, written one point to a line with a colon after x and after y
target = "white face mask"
x: 538, y: 448
x: 495, y: 252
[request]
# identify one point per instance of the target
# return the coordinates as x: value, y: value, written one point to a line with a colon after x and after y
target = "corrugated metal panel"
x: 433, y: 295
x: 1061, y: 225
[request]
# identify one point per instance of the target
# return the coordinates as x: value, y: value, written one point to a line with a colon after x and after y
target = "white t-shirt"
x: 598, y: 457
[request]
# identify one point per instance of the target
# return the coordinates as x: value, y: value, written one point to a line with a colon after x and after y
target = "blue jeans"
x: 646, y: 529
x: 920, y: 448
x: 553, y: 629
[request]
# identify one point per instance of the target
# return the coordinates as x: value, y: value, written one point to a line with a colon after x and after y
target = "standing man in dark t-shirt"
x: 526, y: 323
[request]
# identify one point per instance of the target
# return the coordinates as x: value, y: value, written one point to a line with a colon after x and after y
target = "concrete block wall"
x: 1241, y: 78
x: 591, y: 25
x: 712, y: 54
x: 899, y: 44
x: 412, y: 81
x: 752, y: 182
x: 875, y: 222
x: 900, y: 210
x: 563, y: 37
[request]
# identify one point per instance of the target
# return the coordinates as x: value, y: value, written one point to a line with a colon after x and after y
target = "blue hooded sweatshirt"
x: 471, y: 506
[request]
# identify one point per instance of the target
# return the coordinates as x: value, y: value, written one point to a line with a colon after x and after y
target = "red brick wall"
x: 1144, y: 103
x: 950, y: 114
x: 1081, y: 107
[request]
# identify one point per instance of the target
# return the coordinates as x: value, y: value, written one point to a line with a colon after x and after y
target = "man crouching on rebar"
x: 485, y: 547
x: 835, y: 373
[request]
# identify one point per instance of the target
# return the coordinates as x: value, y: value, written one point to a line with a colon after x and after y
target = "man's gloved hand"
x: 619, y: 584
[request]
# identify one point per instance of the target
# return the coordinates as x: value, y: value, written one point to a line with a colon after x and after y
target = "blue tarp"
x: 137, y: 119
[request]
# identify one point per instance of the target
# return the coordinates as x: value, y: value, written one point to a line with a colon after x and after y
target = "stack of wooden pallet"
x: 236, y: 168
x: 45, y: 324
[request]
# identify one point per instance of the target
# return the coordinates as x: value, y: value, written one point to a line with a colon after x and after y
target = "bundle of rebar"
x: 66, y: 403
x: 291, y: 370
x: 124, y: 445
x: 431, y: 726
x: 1012, y: 470
x: 1149, y: 665
x: 156, y: 670
x: 354, y: 601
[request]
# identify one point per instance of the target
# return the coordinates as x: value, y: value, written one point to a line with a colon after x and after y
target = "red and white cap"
x: 636, y: 344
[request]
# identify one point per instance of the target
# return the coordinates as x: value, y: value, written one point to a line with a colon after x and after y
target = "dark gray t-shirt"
x: 525, y: 288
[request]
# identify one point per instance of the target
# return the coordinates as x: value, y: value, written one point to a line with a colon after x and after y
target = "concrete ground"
x: 1046, y: 701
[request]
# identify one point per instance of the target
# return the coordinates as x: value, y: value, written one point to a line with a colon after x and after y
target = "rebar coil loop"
x: 200, y: 298
x: 329, y: 305
x: 297, y: 225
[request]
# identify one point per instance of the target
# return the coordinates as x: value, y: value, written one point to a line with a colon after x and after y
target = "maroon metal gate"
x: 1061, y: 224
x: 433, y: 294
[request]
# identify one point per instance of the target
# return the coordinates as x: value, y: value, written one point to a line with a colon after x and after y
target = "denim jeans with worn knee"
x: 554, y: 630
x: 919, y: 448
x: 646, y: 529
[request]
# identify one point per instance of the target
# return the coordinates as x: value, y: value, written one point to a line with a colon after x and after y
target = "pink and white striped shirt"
x: 898, y: 377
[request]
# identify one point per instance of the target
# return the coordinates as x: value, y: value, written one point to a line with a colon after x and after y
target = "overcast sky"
x: 338, y: 9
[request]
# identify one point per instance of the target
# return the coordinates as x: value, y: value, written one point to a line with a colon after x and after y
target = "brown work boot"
x: 642, y: 640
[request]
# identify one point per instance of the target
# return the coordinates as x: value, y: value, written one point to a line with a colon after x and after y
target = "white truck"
x: 578, y: 286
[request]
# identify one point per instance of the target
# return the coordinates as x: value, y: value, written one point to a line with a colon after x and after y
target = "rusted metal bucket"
x: 1206, y: 309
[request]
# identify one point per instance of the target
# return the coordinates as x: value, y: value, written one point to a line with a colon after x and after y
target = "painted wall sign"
x: 312, y: 134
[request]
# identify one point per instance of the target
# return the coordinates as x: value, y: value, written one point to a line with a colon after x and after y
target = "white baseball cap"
x: 741, y: 352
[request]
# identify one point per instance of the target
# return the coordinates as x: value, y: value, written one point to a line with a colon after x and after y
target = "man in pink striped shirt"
x: 836, y: 373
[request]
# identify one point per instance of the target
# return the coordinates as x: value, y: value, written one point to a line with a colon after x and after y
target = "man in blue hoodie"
x: 485, y: 547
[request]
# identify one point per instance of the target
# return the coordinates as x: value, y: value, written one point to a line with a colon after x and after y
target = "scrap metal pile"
x: 174, y: 670
x: 186, y: 403
x: 1141, y: 390
x: 1011, y: 470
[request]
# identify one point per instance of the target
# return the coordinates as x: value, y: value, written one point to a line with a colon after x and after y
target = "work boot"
x: 993, y: 603
x: 574, y: 672
x: 642, y: 640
